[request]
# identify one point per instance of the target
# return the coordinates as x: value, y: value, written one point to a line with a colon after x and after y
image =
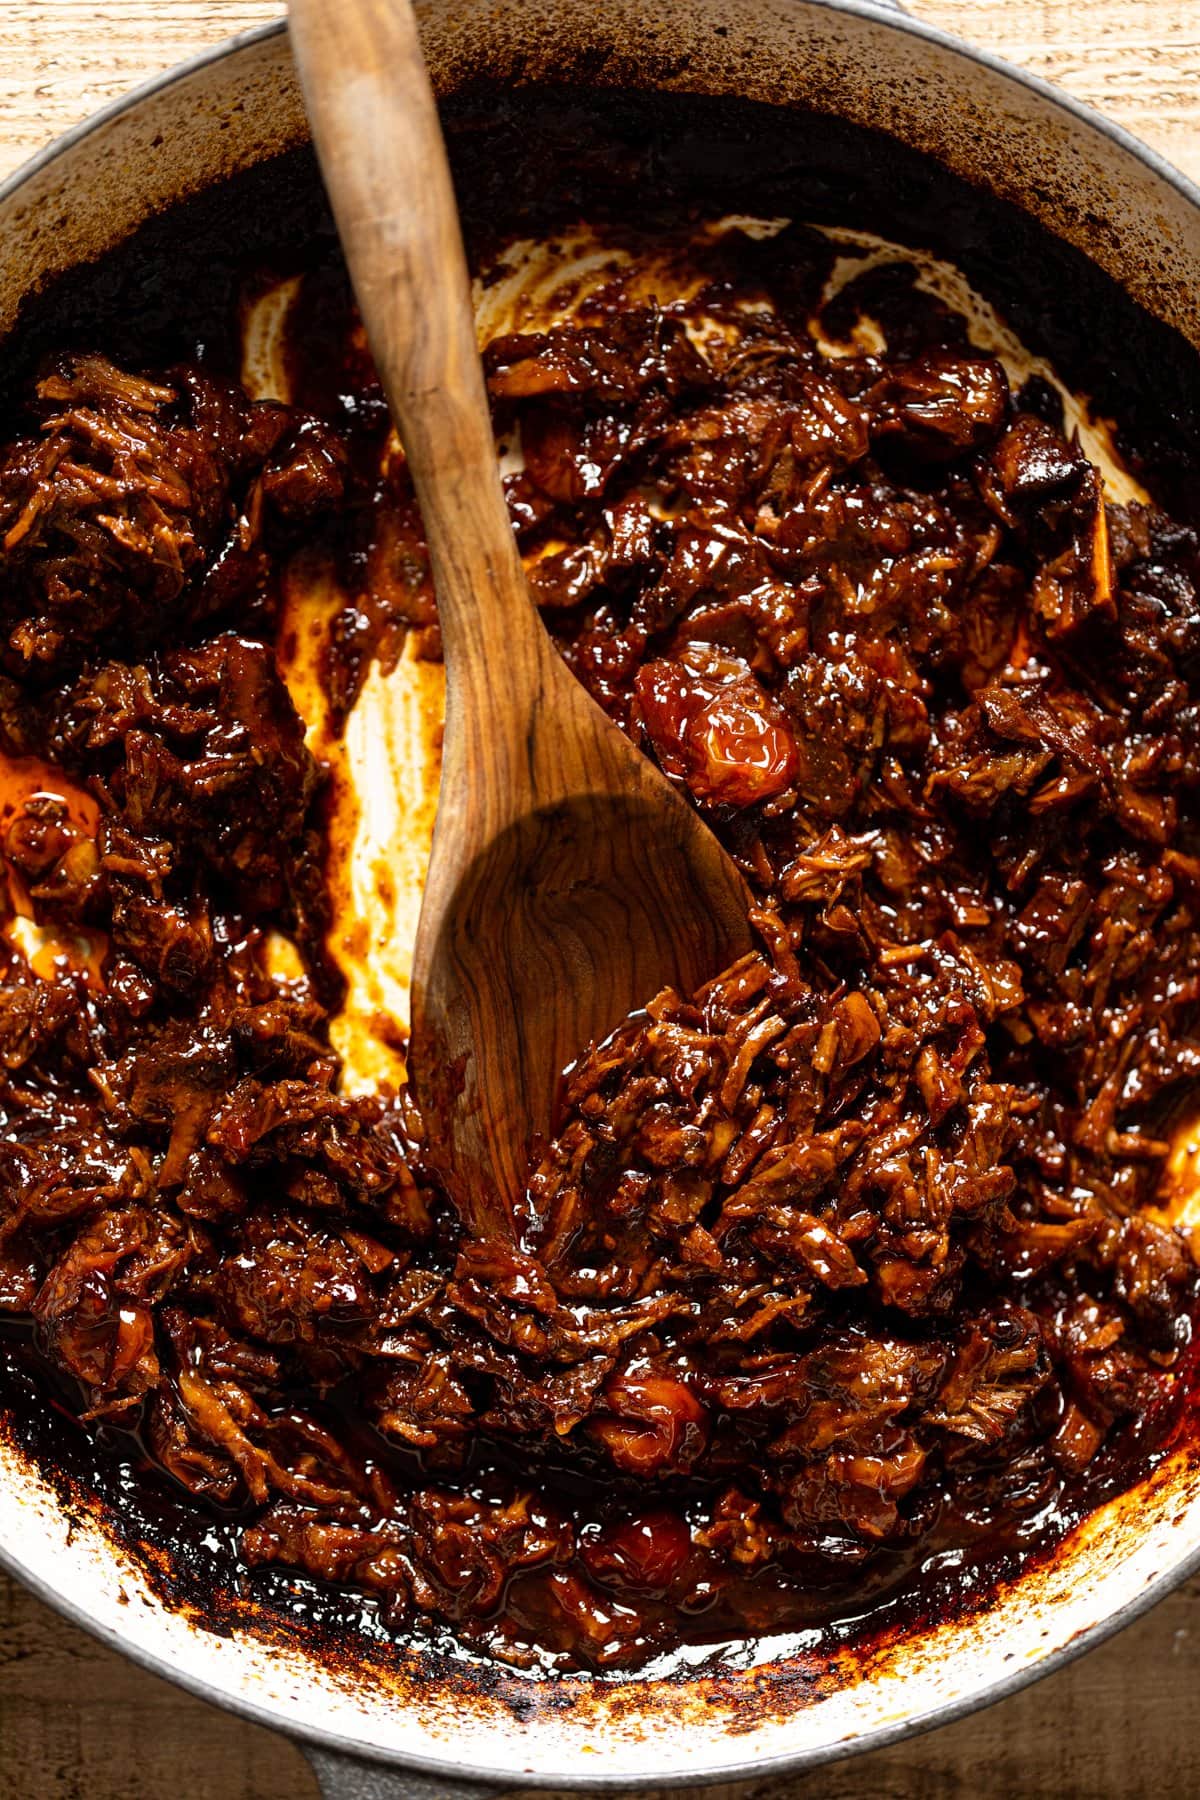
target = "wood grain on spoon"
x: 568, y: 883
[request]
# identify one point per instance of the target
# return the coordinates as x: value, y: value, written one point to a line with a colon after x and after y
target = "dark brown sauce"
x: 733, y: 741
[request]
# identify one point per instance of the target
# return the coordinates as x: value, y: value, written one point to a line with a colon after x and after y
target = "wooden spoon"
x: 568, y: 883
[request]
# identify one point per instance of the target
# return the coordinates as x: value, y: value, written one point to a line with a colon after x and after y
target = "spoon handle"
x: 376, y: 132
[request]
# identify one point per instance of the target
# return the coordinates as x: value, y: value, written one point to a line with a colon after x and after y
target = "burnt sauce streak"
x: 846, y: 1286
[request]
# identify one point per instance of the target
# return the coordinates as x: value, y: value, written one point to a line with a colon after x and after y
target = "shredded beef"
x: 853, y: 1256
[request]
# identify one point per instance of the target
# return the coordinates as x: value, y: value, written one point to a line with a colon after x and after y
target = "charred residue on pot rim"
x: 193, y: 1569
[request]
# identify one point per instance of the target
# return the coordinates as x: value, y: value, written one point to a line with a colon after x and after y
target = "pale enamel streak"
x: 988, y: 331
x: 48, y: 947
x: 282, y: 958
x: 394, y: 751
x: 264, y: 330
x: 1181, y: 1186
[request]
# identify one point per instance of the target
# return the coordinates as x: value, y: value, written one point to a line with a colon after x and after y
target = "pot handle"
x: 346, y: 1778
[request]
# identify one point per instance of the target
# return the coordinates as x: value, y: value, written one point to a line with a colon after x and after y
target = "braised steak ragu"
x: 853, y: 1259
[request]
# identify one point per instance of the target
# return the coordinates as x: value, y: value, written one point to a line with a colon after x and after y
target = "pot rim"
x: 274, y: 1716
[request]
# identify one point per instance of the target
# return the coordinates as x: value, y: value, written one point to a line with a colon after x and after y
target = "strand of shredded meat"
x: 853, y: 1255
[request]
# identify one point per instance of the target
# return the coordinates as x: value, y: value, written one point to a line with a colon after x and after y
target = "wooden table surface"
x: 76, y: 1720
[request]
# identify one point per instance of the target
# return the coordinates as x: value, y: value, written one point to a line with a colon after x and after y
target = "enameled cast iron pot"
x: 444, y: 1729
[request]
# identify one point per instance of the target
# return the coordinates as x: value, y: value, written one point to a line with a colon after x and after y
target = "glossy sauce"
x: 703, y: 1405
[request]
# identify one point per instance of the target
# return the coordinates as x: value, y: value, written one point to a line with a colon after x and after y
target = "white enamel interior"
x: 229, y: 113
